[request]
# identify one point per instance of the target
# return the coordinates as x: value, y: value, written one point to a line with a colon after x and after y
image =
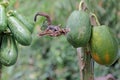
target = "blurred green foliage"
x: 54, y: 58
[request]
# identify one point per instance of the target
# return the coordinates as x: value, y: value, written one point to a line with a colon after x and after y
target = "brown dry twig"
x: 51, y: 30
x: 54, y: 31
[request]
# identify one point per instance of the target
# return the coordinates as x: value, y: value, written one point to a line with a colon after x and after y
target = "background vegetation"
x: 54, y: 58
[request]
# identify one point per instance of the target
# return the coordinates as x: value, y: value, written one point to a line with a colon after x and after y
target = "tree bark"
x: 86, y: 64
x: 0, y: 71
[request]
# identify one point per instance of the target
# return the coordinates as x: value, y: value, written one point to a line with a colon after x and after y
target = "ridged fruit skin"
x: 23, y: 19
x: 104, y: 47
x: 80, y: 28
x: 19, y: 30
x: 3, y: 19
x: 8, y: 51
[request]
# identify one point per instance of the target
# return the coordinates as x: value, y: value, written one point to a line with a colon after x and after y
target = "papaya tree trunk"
x: 86, y: 64
x: 85, y: 61
x: 0, y: 71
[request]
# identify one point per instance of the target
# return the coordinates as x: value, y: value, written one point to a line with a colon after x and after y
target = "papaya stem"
x: 94, y: 20
x: 10, y: 13
x: 86, y: 64
x: 82, y: 6
x: 0, y: 71
x: 5, y: 3
x: 80, y: 61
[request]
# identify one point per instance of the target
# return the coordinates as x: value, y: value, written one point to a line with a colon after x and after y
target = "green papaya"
x: 8, y: 51
x: 103, y: 44
x: 19, y: 30
x: 80, y: 29
x: 30, y: 26
x: 3, y: 19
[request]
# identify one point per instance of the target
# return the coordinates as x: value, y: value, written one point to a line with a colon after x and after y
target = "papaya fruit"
x: 30, y: 26
x: 3, y: 19
x: 103, y: 44
x: 19, y: 30
x: 80, y: 29
x: 8, y: 51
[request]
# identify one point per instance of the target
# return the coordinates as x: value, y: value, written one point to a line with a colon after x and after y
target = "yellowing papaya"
x: 80, y: 29
x: 104, y: 47
x: 8, y: 51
